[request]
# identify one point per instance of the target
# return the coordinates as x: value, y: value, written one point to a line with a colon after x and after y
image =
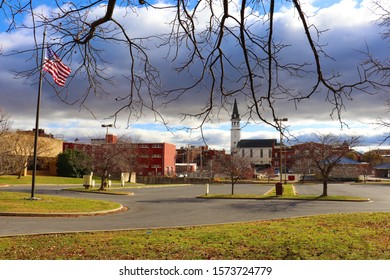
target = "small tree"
x: 74, y: 163
x: 373, y: 158
x: 112, y: 158
x: 235, y: 167
x: 302, y: 164
x: 324, y: 154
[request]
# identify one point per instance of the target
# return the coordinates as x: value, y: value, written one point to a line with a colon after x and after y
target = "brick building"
x: 156, y: 159
x: 196, y: 160
x: 149, y: 159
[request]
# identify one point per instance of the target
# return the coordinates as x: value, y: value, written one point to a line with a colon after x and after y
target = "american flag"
x: 56, y: 67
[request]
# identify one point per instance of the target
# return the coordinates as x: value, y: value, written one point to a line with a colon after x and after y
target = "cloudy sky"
x: 350, y: 28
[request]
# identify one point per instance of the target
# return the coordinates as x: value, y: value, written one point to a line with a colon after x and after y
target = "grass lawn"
x: 358, y: 236
x: 19, y: 203
x: 46, y: 180
x: 113, y: 191
x: 55, y: 180
x: 288, y: 193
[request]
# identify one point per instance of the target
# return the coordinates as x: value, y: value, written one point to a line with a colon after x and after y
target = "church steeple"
x: 235, y: 115
x: 235, y: 131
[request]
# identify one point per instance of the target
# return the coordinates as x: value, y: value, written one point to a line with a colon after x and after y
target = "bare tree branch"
x: 221, y: 49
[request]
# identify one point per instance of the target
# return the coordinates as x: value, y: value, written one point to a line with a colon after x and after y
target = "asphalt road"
x: 178, y: 206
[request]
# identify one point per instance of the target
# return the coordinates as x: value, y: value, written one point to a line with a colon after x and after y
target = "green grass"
x: 49, y: 180
x: 358, y: 236
x: 112, y: 190
x: 380, y: 182
x: 288, y: 193
x: 55, y: 180
x: 19, y: 203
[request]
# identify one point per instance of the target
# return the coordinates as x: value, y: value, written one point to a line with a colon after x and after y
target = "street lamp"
x: 279, y: 122
x: 107, y: 126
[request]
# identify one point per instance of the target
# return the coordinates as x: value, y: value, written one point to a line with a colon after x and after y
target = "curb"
x: 74, y: 214
x: 286, y: 198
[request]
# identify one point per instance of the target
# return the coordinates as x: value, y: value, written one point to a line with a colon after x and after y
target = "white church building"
x: 258, y: 151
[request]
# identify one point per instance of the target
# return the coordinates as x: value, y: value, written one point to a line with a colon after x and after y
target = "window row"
x: 256, y: 153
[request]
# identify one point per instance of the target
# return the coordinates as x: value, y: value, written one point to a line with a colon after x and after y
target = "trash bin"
x: 279, y: 188
x: 87, y: 181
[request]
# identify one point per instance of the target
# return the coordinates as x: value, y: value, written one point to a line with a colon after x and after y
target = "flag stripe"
x: 55, y: 67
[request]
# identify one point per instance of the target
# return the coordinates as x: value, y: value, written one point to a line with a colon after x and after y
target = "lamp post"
x: 279, y: 122
x: 107, y: 126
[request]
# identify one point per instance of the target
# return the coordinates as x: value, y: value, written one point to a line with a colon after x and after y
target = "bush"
x: 74, y: 163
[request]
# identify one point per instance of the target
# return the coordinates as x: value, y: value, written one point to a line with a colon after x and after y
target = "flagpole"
x: 34, y: 172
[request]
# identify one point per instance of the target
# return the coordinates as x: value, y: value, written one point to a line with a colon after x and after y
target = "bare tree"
x: 5, y: 122
x: 233, y: 166
x: 197, y: 42
x: 375, y: 66
x: 6, y: 162
x: 113, y: 158
x: 385, y: 123
x: 17, y: 148
x: 324, y: 154
x: 7, y: 159
x: 302, y: 164
x: 380, y: 68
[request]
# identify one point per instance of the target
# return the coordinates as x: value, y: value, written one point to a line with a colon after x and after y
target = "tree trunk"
x: 233, y: 181
x: 103, y: 184
x: 325, y: 187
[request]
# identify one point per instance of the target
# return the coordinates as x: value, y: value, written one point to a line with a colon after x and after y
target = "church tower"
x: 235, y: 131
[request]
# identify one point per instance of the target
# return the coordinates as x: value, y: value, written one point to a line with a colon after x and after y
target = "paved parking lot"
x: 178, y: 206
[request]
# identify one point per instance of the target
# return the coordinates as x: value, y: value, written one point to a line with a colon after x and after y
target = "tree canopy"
x: 74, y: 163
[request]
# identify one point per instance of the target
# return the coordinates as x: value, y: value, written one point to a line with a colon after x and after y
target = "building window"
x: 270, y: 153
x: 243, y: 153
x: 251, y: 153
x: 156, y: 146
x: 261, y: 153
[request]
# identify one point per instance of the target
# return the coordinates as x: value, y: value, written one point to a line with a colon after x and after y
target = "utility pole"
x: 279, y: 186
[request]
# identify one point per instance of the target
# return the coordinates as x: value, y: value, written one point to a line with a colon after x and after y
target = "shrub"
x: 73, y: 163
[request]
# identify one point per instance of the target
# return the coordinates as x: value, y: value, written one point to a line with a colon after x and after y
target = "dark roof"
x: 341, y: 161
x: 256, y: 143
x: 344, y: 160
x: 384, y: 166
